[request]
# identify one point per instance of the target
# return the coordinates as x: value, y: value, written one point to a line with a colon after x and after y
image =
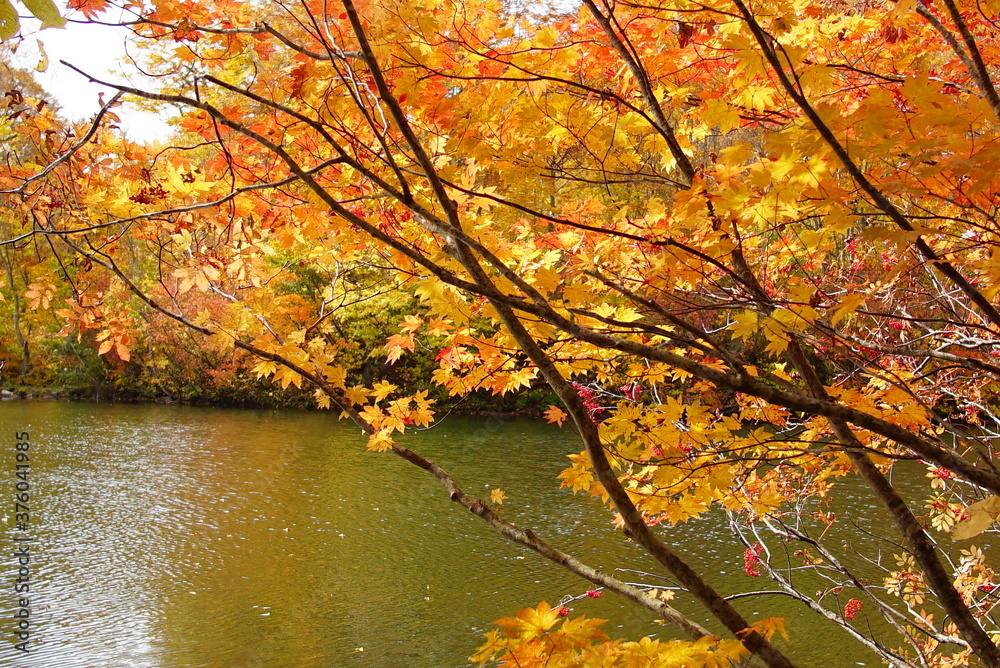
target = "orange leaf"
x: 556, y: 415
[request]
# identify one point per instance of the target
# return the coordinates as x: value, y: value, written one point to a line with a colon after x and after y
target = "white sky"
x: 97, y: 50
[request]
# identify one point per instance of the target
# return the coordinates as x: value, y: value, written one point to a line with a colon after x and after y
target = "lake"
x: 170, y: 536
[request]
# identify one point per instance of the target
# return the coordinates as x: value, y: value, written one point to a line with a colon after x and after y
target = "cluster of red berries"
x: 594, y: 593
x: 852, y: 248
x: 562, y: 611
x: 751, y: 560
x: 149, y: 194
x: 631, y: 391
x: 589, y: 397
x: 852, y: 609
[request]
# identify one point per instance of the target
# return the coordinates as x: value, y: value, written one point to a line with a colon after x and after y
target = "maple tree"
x: 751, y: 247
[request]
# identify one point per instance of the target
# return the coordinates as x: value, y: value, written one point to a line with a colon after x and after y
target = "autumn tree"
x: 751, y: 247
x: 23, y: 287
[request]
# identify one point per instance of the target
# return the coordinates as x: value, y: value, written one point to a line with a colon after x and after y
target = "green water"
x: 173, y: 536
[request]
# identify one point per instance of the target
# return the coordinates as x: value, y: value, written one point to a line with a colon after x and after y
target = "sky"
x: 98, y: 50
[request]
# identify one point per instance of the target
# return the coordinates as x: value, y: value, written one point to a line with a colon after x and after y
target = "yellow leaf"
x: 382, y: 389
x: 265, y: 368
x: 776, y: 336
x: 322, y: 400
x: 980, y: 516
x: 43, y: 58
x: 380, y: 442
x: 848, y: 304
x: 497, y: 496
x: 357, y: 394
x: 721, y: 114
x: 530, y: 622
x: 745, y: 325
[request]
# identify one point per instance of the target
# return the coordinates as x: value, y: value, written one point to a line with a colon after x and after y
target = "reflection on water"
x: 176, y: 536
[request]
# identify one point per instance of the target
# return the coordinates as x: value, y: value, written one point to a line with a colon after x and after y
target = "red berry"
x: 751, y: 560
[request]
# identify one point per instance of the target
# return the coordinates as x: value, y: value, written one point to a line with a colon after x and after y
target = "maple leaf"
x: 497, y: 496
x: 582, y: 631
x: 530, y: 622
x: 768, y: 627
x: 745, y: 324
x: 357, y: 395
x: 382, y: 389
x: 322, y: 399
x: 265, y: 368
x: 411, y: 323
x: 397, y: 344
x: 380, y: 441
x: 439, y: 327
x: 848, y: 304
x: 90, y: 8
x: 555, y: 415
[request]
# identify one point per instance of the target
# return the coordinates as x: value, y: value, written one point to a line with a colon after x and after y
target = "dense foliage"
x: 752, y: 248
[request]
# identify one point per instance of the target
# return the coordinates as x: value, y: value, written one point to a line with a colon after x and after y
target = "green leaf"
x: 46, y: 12
x: 9, y: 24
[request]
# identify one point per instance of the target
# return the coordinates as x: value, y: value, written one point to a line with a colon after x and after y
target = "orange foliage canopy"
x: 752, y: 248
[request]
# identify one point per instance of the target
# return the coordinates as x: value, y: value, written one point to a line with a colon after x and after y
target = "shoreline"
x: 88, y: 394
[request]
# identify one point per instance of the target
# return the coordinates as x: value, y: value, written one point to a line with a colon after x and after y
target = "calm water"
x: 173, y: 536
